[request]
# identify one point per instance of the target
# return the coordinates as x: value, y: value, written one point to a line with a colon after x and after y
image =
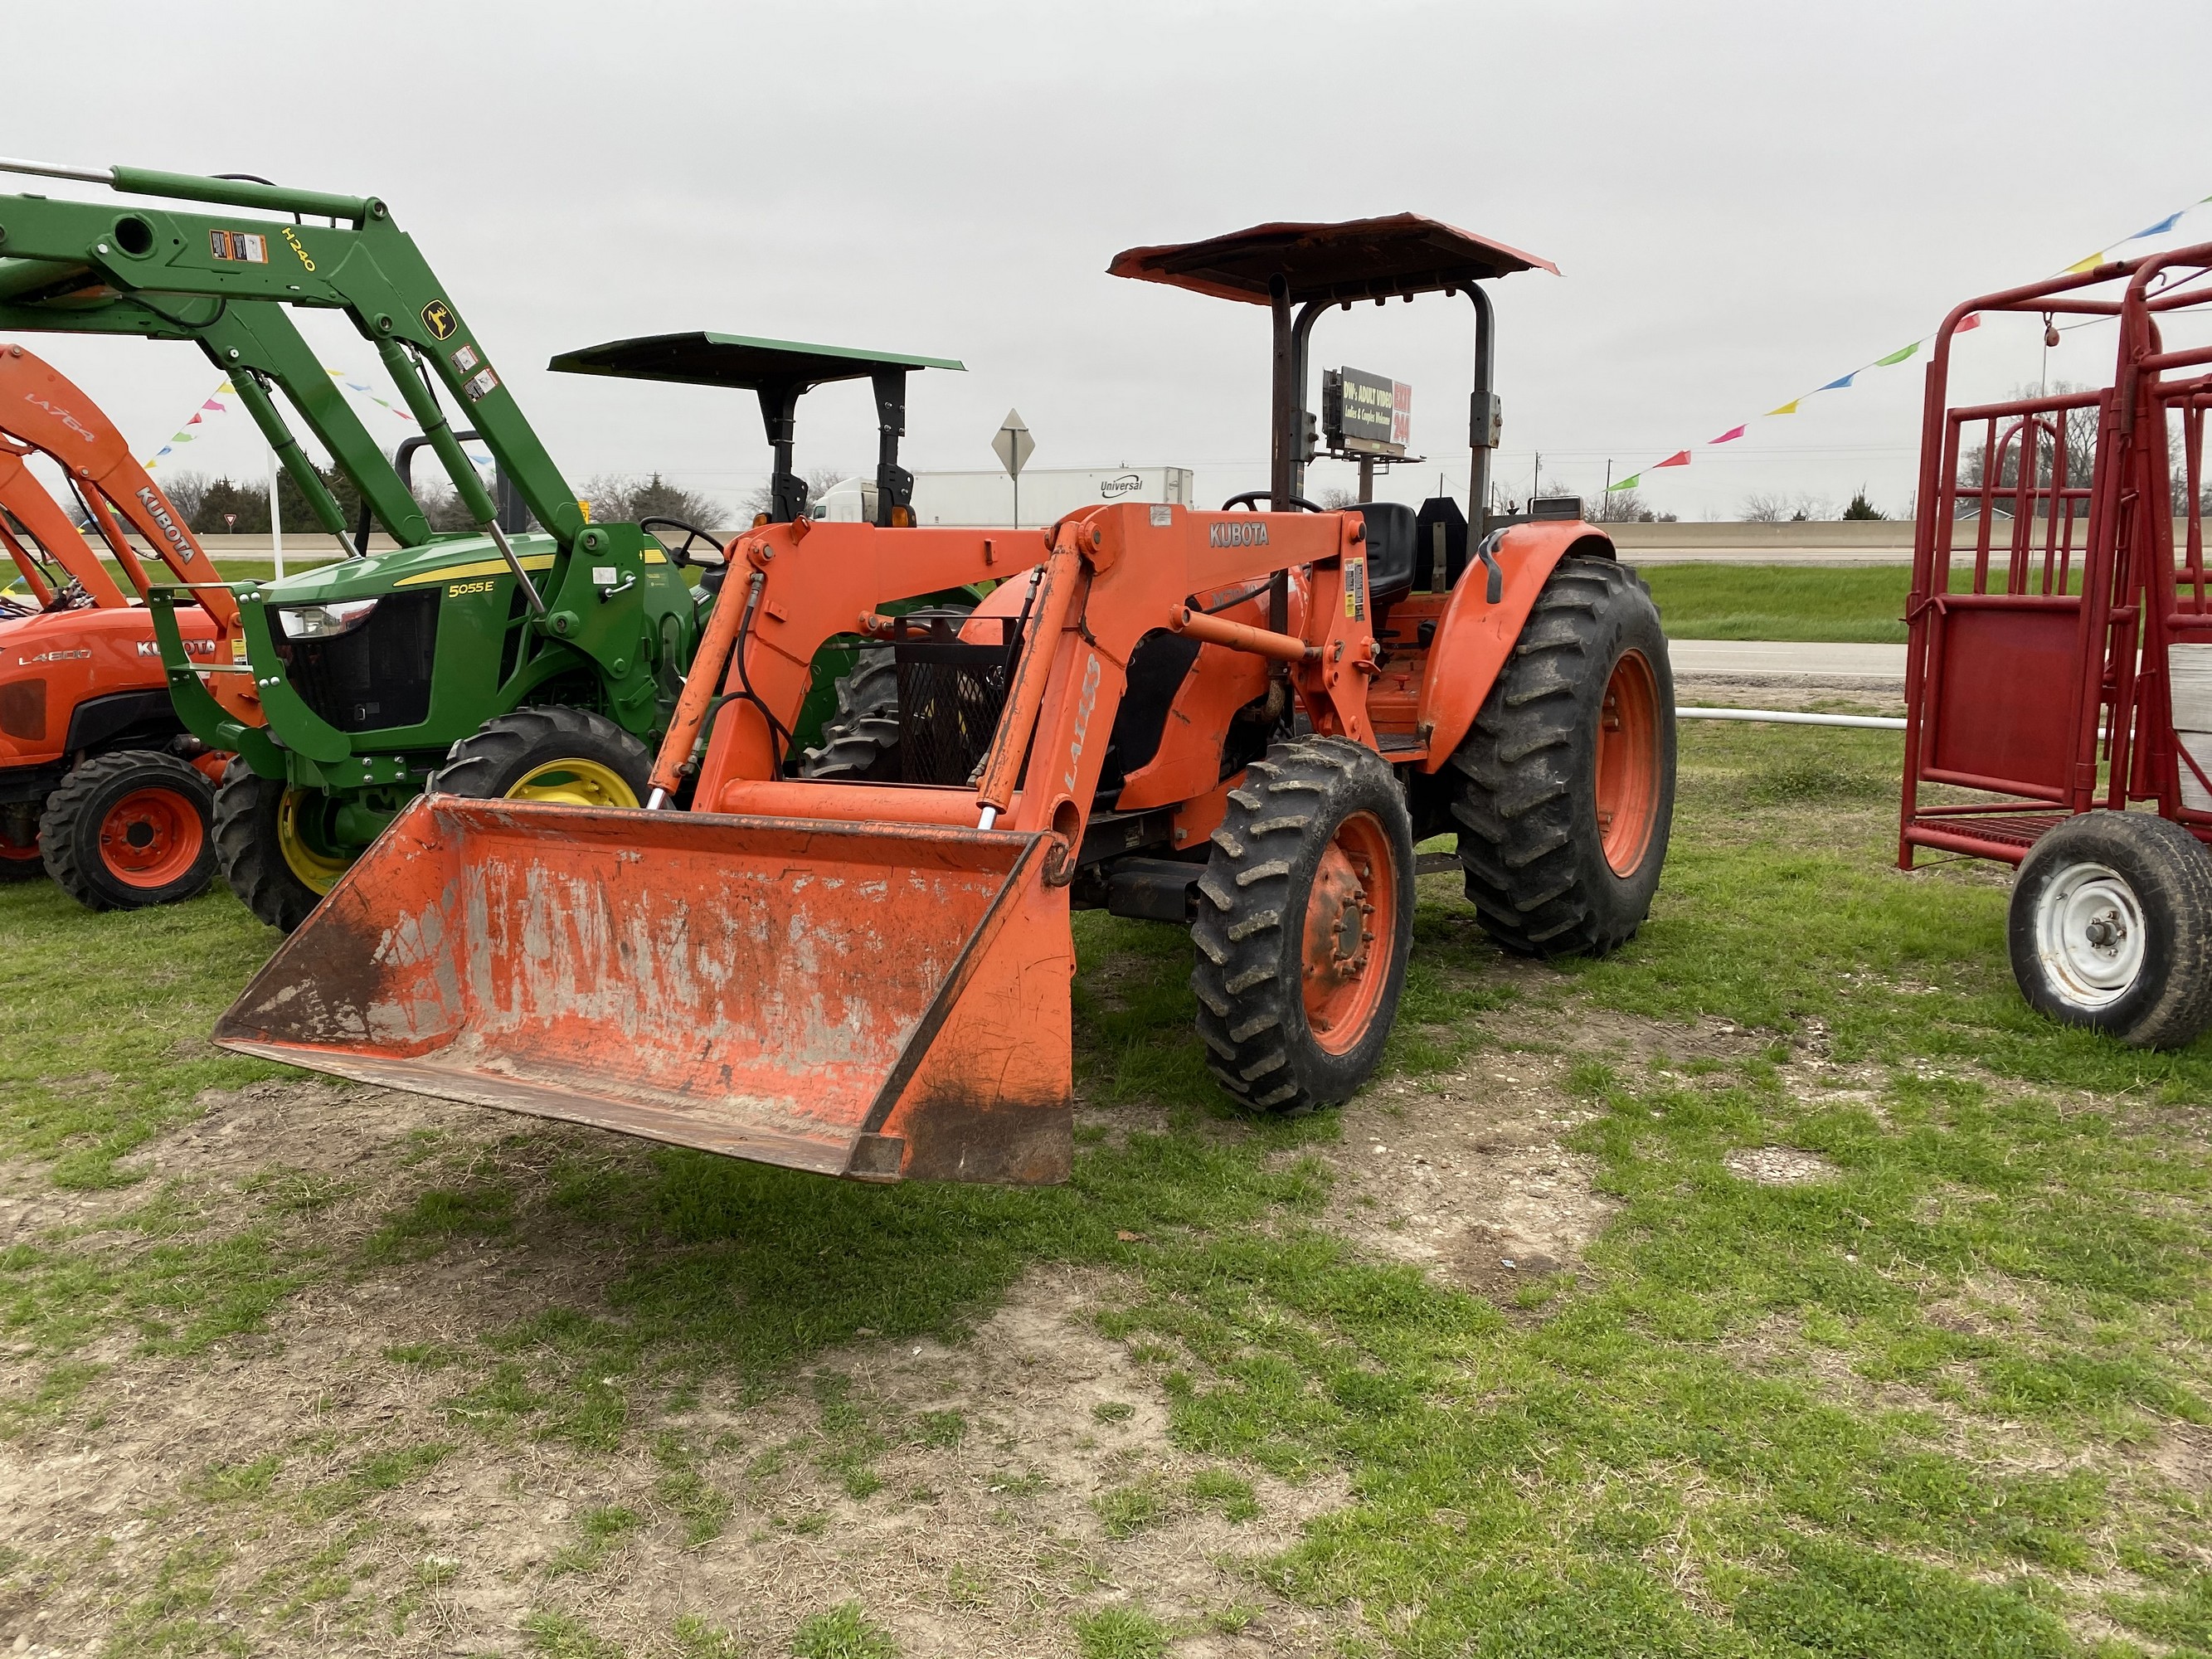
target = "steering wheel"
x: 692, y: 537
x: 1252, y: 498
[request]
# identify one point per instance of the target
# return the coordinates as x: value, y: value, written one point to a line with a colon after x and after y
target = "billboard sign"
x: 1363, y: 413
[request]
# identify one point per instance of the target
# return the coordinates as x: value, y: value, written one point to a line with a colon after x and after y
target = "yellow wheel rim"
x: 319, y: 871
x: 574, y: 783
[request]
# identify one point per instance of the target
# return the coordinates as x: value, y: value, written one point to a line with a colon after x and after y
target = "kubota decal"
x: 192, y: 647
x: 1237, y: 533
x: 1084, y: 703
x: 54, y: 656
x: 150, y: 499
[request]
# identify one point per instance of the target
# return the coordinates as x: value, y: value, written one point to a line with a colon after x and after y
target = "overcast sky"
x: 1744, y: 201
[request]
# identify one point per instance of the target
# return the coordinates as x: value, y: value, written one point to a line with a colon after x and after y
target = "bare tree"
x: 625, y: 498
x: 1759, y: 508
x: 820, y: 481
x: 1623, y: 507
x: 1335, y: 499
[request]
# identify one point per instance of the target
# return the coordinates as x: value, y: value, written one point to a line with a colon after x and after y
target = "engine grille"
x: 377, y: 678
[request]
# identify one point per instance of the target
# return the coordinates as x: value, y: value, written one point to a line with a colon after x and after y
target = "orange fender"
x: 1474, y: 637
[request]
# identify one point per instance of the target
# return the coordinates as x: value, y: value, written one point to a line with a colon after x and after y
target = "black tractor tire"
x: 1546, y: 871
x: 2110, y: 928
x: 859, y: 742
x: 1313, y: 815
x: 556, y: 753
x: 129, y: 829
x: 249, y: 842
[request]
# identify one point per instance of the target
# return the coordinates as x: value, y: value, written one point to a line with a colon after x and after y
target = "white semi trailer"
x: 988, y: 498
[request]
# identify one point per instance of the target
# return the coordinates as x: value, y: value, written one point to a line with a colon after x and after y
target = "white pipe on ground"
x: 1792, y: 717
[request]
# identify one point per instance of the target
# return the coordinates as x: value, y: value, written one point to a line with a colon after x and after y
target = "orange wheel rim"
x: 11, y: 854
x: 1350, y: 933
x: 150, y: 837
x: 1628, y: 762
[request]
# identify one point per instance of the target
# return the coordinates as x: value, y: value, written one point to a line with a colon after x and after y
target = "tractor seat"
x: 1391, y: 542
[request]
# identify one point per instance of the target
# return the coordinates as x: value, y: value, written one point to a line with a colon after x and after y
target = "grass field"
x: 1847, y: 603
x: 1850, y: 1309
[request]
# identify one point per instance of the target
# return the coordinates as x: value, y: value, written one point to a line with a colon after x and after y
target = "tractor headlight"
x: 323, y: 622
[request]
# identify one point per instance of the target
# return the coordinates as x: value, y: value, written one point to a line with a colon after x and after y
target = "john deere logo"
x: 438, y: 317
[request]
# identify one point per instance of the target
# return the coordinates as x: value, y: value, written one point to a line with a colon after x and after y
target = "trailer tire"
x: 276, y: 874
x: 549, y: 753
x: 2111, y: 927
x: 859, y: 742
x: 129, y: 829
x: 1317, y: 841
x: 1564, y: 790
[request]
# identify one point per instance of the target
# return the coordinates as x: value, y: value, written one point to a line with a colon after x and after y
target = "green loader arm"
x: 250, y: 343
x: 63, y: 256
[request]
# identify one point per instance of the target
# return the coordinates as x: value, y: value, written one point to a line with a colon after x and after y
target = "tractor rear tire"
x: 129, y: 829
x: 859, y: 742
x: 276, y: 874
x: 549, y: 754
x: 2110, y: 928
x: 1305, y: 916
x: 1563, y: 791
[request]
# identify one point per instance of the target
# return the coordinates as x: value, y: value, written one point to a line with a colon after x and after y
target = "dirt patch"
x: 1011, y: 1481
x: 1777, y: 1166
x: 1467, y: 1174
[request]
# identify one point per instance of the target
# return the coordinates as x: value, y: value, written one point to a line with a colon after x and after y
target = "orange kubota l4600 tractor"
x: 100, y: 785
x: 1238, y: 719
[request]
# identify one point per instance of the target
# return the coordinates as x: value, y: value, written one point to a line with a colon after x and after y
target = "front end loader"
x: 563, y: 649
x: 1238, y: 720
x: 100, y: 785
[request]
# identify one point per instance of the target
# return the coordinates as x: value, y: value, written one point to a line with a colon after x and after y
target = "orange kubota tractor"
x: 100, y: 785
x: 1239, y: 720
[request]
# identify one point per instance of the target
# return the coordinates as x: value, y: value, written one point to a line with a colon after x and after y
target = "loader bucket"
x: 885, y: 1002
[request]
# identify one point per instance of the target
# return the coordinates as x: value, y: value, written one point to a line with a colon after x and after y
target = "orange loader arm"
x: 26, y: 500
x: 41, y: 410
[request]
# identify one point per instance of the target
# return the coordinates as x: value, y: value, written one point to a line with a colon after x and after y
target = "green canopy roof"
x: 734, y: 360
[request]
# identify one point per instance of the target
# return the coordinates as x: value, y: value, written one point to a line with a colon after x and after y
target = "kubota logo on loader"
x: 150, y: 499
x: 1237, y: 533
x: 61, y: 415
x: 438, y: 317
x: 1084, y: 704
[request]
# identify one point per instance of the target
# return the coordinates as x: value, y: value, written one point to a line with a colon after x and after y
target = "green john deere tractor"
x: 502, y: 662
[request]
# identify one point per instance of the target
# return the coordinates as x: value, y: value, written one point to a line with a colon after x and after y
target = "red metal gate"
x: 2056, y: 640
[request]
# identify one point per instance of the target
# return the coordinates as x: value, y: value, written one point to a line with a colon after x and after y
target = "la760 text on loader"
x: 1240, y: 719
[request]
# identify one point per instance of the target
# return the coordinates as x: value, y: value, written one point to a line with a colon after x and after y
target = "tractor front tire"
x: 570, y: 756
x: 267, y: 861
x: 859, y: 742
x: 2110, y: 928
x: 1563, y: 791
x: 1305, y: 916
x: 127, y: 830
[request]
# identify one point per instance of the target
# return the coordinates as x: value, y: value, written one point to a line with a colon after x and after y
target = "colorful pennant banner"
x: 214, y: 406
x: 1842, y: 382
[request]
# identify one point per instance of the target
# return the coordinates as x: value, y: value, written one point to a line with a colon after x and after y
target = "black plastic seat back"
x: 1439, y: 545
x: 1390, y: 545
